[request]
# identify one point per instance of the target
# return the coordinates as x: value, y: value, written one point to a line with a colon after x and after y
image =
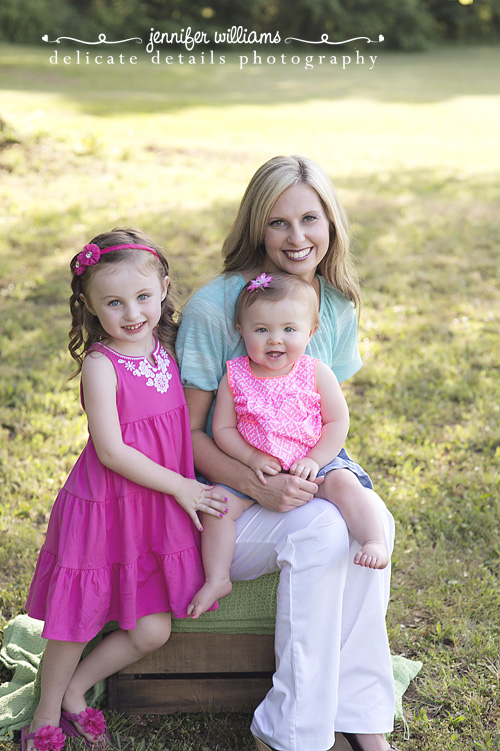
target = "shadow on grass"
x: 145, y: 87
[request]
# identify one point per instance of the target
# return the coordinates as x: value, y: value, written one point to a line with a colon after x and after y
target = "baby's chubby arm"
x: 335, y: 418
x: 229, y: 439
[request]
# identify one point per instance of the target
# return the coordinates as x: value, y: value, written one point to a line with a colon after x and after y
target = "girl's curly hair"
x: 86, y: 329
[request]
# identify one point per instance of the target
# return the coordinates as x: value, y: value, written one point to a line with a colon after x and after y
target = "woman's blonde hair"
x: 244, y: 249
x: 86, y: 329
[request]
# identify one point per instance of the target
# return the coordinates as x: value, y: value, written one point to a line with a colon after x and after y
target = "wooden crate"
x: 196, y: 672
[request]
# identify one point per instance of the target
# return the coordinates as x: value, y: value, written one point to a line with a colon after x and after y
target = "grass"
x: 413, y: 149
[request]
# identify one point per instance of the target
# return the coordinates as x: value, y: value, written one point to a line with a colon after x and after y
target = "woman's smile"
x: 298, y: 255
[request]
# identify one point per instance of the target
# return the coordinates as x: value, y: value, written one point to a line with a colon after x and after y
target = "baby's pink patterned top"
x: 281, y: 415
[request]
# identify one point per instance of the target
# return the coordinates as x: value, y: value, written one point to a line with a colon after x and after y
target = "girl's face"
x: 298, y: 232
x: 276, y: 334
x: 127, y: 302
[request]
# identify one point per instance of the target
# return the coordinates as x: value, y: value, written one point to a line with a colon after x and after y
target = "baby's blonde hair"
x: 283, y: 286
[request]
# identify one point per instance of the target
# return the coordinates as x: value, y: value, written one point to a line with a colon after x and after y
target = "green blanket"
x: 23, y: 647
x: 249, y: 609
x: 22, y: 653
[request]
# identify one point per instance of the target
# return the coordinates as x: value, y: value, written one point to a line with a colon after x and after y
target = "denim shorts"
x: 341, y: 461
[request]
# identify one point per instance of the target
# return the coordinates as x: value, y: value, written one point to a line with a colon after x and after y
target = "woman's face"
x: 298, y: 232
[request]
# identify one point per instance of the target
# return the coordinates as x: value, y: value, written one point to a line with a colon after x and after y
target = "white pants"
x: 333, y: 664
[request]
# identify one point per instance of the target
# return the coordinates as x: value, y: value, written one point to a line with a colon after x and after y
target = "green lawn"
x: 412, y: 146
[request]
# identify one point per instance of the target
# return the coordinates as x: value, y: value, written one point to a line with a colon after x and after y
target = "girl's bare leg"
x: 59, y: 664
x: 342, y: 488
x: 116, y: 651
x: 218, y: 540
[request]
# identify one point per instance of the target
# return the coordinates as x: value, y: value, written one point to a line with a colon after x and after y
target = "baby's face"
x: 276, y: 334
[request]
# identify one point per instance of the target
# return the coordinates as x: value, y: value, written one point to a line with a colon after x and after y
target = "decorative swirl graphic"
x: 102, y: 40
x: 324, y: 40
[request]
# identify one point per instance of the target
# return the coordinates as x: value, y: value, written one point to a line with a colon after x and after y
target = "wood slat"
x: 196, y: 672
x: 209, y: 653
x: 165, y: 696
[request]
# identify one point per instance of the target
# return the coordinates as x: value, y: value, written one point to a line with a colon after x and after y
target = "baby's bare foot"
x: 373, y: 554
x: 211, y: 591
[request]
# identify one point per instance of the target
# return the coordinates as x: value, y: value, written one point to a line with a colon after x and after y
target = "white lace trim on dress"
x: 158, y: 377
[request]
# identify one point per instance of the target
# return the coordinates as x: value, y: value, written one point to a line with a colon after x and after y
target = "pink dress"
x: 116, y: 550
x: 280, y: 416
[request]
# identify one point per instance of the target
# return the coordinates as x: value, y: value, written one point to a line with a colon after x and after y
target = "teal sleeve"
x: 336, y: 341
x: 207, y: 337
x: 346, y: 359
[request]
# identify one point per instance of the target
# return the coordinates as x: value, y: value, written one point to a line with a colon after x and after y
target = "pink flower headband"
x: 260, y: 281
x: 91, y: 253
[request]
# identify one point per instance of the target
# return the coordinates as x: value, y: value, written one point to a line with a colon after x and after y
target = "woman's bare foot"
x: 373, y: 554
x: 211, y: 591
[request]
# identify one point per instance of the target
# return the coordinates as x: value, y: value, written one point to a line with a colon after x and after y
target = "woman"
x: 333, y: 667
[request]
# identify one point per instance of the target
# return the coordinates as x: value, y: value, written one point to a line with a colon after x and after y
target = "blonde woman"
x: 333, y: 666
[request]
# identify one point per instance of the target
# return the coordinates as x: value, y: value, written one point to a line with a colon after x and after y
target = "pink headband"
x: 91, y: 253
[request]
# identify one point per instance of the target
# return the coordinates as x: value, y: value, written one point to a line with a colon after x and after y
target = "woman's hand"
x: 284, y: 492
x: 193, y: 496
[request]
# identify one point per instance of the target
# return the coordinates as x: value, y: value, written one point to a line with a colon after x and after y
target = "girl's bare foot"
x: 373, y: 554
x: 73, y: 704
x: 38, y: 722
x: 211, y: 591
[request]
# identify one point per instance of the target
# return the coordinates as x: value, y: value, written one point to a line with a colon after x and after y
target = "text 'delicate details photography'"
x: 196, y: 47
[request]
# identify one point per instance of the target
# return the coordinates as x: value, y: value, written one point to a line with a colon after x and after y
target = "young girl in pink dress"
x: 123, y: 537
x: 278, y: 409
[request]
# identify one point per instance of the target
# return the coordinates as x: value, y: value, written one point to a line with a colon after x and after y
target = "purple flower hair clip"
x: 88, y: 257
x: 261, y: 281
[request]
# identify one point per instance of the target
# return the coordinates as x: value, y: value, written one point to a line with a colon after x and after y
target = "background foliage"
x: 405, y: 24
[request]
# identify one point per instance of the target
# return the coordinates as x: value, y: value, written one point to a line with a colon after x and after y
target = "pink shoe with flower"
x: 46, y: 738
x: 92, y: 723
